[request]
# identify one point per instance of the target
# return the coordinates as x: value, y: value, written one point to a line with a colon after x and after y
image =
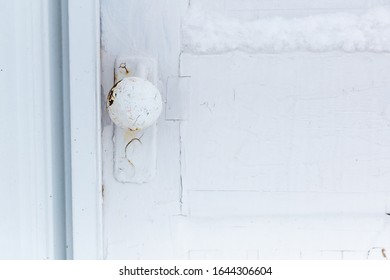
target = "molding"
x: 85, y: 128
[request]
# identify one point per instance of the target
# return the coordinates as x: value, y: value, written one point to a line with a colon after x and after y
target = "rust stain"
x: 127, y: 145
x: 129, y: 134
x: 111, y: 96
x: 132, y: 135
x: 127, y: 71
x: 384, y: 253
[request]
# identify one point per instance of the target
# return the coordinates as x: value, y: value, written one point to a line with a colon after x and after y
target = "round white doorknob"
x: 134, y: 103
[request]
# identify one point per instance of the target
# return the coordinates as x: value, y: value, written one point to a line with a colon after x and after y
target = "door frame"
x: 85, y: 128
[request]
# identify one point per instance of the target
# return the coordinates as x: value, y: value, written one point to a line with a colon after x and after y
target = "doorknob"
x: 134, y: 103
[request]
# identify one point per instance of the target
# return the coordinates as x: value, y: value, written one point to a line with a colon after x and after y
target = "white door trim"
x: 85, y: 128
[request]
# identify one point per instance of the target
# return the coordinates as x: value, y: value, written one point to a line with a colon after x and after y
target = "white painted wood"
x: 265, y: 167
x: 147, y: 28
x: 135, y: 155
x: 32, y: 210
x: 254, y: 9
x: 66, y: 131
x: 178, y: 98
x: 275, y: 7
x: 302, y: 4
x: 265, y: 126
x: 221, y: 204
x: 84, y: 56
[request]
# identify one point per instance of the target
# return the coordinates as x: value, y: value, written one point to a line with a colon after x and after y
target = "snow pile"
x: 205, y: 33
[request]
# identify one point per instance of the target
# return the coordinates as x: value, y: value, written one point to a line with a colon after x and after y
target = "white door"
x: 273, y: 142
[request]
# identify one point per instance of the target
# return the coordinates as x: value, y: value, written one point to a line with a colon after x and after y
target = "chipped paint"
x: 134, y: 103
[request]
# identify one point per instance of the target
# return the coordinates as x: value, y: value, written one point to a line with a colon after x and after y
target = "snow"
x: 212, y: 33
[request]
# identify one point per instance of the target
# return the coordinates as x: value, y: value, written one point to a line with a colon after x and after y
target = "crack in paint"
x: 384, y: 253
x: 181, y: 170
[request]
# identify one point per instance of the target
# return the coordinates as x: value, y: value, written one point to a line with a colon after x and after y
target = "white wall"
x: 31, y: 115
x: 281, y: 156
